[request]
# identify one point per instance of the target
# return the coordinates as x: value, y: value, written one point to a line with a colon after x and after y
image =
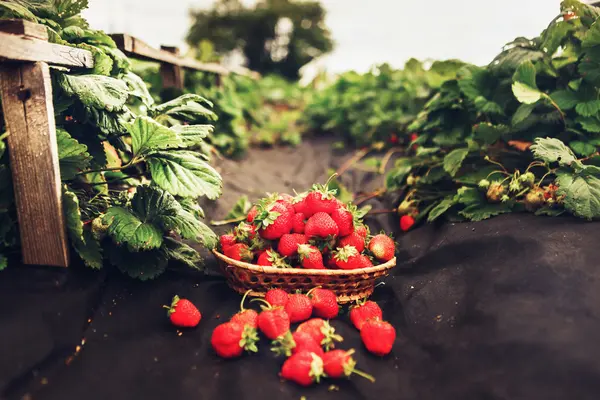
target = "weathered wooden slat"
x: 137, y: 48
x: 21, y: 27
x: 14, y: 47
x: 29, y: 115
x: 171, y: 75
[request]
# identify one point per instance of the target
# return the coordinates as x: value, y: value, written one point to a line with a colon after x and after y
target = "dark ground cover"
x: 507, y: 308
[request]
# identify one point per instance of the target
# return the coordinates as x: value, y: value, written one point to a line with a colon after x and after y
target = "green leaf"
x: 147, y: 135
x: 72, y: 155
x: 479, y: 212
x: 522, y: 113
x: 69, y: 8
x: 582, y: 193
x: 190, y: 108
x: 583, y: 149
x: 138, y: 88
x: 240, y: 208
x: 453, y: 160
x: 565, y: 99
x: 395, y: 178
x: 526, y: 94
x: 182, y: 173
x: 192, y: 135
x: 182, y: 253
x: 525, y: 74
x: 589, y: 108
x: 482, y: 172
x: 488, y: 133
x: 441, y: 208
x: 125, y: 227
x: 589, y: 71
x: 590, y: 124
x: 96, y: 91
x: 468, y: 196
x: 592, y: 38
x: 72, y: 215
x: 142, y: 265
x: 552, y: 150
x: 3, y: 262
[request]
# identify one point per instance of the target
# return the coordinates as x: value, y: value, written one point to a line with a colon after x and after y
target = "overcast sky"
x: 366, y: 32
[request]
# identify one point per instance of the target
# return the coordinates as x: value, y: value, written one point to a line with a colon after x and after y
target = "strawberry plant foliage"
x: 132, y: 170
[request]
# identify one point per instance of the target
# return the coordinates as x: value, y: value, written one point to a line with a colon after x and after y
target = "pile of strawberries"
x: 312, y: 230
x: 309, y: 350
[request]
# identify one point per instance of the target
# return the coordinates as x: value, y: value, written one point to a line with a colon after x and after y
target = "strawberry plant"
x: 519, y: 134
x: 132, y: 170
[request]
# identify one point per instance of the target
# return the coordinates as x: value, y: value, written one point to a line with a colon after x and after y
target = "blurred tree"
x: 275, y: 36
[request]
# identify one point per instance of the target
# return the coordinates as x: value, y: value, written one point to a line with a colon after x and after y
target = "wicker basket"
x: 349, y: 285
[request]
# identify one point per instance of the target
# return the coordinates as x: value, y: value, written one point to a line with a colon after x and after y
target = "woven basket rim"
x: 303, y: 271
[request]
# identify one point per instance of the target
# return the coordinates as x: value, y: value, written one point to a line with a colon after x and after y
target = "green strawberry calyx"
x: 330, y: 336
x: 172, y: 308
x: 316, y: 368
x: 344, y: 253
x: 265, y: 215
x: 323, y: 189
x: 249, y: 339
x: 283, y: 345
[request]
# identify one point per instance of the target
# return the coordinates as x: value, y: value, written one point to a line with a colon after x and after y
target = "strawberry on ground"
x: 245, y: 316
x: 304, y: 368
x: 226, y: 241
x: 378, y: 336
x: 288, y: 244
x: 295, y: 343
x: 273, y: 322
x: 355, y: 239
x: 348, y: 257
x: 298, y: 223
x: 321, y: 331
x: 276, y: 297
x: 364, y: 311
x: 310, y: 257
x: 340, y: 363
x: 183, y: 313
x: 320, y: 225
x: 229, y: 340
x: 324, y: 303
x: 239, y: 252
x: 406, y: 222
x: 383, y: 247
x: 299, y: 307
x: 344, y: 221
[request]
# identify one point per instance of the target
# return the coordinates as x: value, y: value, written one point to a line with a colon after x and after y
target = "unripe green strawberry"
x: 527, y: 179
x: 495, y: 192
x: 534, y: 199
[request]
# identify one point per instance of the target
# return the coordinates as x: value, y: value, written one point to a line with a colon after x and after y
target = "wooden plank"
x: 137, y: 48
x: 172, y: 75
x: 26, y: 94
x: 22, y: 27
x: 24, y: 48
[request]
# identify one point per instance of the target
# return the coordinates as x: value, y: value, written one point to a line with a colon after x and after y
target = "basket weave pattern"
x: 348, y: 285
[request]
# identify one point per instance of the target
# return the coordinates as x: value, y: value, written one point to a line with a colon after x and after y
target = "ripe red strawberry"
x: 348, y: 257
x: 271, y: 258
x: 226, y: 241
x: 320, y: 201
x: 321, y: 331
x: 354, y: 239
x: 244, y: 232
x: 362, y: 312
x: 304, y: 368
x: 344, y: 220
x: 362, y: 230
x: 299, y: 204
x: 406, y: 222
x: 288, y: 244
x: 320, y: 225
x: 299, y: 224
x: 324, y: 303
x: 274, y: 220
x: 339, y: 363
x: 229, y: 340
x: 295, y: 343
x: 245, y: 316
x: 310, y: 257
x: 378, y: 336
x: 382, y: 247
x: 276, y: 297
x: 273, y: 322
x: 252, y: 214
x: 239, y: 252
x: 299, y: 307
x: 183, y: 313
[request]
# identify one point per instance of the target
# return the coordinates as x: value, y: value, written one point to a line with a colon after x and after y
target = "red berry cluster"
x: 313, y: 230
x: 309, y: 350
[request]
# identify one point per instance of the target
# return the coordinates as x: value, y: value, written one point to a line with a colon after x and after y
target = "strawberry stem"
x: 269, y: 306
x: 364, y: 375
x: 332, y: 177
x: 244, y: 299
x: 311, y: 290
